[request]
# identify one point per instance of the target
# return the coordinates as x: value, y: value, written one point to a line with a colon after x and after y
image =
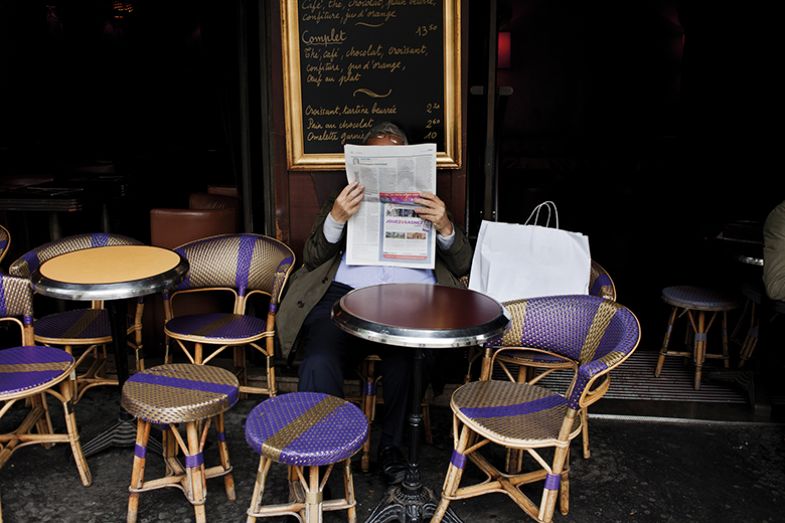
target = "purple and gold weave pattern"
x: 596, y: 333
x: 244, y: 262
x: 30, y: 261
x: 25, y: 368
x: 16, y: 297
x: 216, y: 326
x: 509, y: 411
x: 179, y: 392
x: 5, y: 241
x: 699, y: 298
x: 306, y: 429
x: 76, y: 324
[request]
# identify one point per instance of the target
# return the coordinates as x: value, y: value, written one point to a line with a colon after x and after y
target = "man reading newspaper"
x: 326, y: 276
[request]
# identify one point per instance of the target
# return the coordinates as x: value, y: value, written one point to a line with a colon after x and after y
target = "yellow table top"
x: 112, y: 264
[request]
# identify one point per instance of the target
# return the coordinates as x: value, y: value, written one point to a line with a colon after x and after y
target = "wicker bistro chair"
x: 595, y: 333
x: 182, y: 393
x: 695, y: 303
x: 243, y: 265
x: 531, y: 367
x: 82, y: 328
x: 30, y: 373
x: 5, y: 242
x: 305, y: 429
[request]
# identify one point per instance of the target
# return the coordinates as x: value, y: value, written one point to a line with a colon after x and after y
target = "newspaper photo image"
x: 386, y: 230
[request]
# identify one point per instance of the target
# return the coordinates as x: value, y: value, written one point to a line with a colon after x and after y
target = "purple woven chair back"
x: 29, y: 262
x: 600, y: 282
x: 595, y: 332
x: 16, y: 298
x: 244, y: 262
x: 5, y: 241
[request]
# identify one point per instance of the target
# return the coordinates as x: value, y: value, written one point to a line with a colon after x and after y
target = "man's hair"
x: 385, y: 129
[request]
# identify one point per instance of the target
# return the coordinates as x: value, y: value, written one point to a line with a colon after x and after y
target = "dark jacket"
x: 774, y: 253
x: 320, y: 263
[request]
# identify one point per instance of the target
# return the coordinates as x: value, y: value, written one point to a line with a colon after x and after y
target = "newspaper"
x: 386, y: 230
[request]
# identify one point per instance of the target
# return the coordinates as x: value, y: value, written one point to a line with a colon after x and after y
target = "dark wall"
x: 150, y: 86
x: 638, y: 119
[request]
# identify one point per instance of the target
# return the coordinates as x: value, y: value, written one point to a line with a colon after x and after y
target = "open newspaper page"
x: 386, y: 230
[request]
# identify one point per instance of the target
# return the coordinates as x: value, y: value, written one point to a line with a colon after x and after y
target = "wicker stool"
x: 305, y: 429
x: 195, y: 395
x: 695, y: 302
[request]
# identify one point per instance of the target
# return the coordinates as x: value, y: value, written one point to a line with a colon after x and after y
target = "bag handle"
x: 547, y: 205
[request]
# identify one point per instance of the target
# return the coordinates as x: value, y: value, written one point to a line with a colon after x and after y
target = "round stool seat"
x: 82, y: 324
x: 215, y: 327
x: 698, y: 298
x: 180, y: 392
x: 306, y: 429
x: 24, y: 369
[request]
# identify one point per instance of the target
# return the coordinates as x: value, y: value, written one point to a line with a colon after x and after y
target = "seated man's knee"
x: 321, y: 371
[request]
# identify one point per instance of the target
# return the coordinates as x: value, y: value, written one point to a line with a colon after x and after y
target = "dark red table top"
x: 420, y: 315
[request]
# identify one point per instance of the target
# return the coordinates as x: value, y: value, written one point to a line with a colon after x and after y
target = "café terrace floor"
x: 663, y: 466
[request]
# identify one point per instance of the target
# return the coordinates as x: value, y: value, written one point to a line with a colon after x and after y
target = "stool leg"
x: 258, y: 489
x: 66, y: 389
x: 426, y: 422
x: 223, y: 452
x: 751, y: 339
x: 313, y: 498
x: 665, y: 342
x: 369, y: 408
x: 725, y: 350
x: 564, y: 488
x: 137, y: 472
x: 348, y: 486
x: 44, y: 423
x: 700, y: 348
x: 195, y: 472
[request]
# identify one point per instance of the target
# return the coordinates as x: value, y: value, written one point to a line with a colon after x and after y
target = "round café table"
x: 417, y: 316
x: 111, y: 274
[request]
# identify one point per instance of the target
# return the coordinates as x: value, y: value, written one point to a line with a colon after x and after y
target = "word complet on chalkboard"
x: 350, y: 64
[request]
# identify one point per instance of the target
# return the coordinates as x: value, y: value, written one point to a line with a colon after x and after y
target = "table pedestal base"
x: 399, y: 505
x: 120, y: 434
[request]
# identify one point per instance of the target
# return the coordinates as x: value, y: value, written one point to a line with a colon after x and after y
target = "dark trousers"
x: 327, y: 352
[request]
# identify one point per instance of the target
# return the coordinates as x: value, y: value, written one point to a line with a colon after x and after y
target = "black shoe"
x: 392, y: 465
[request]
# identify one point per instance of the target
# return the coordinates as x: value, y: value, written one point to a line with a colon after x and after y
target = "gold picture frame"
x: 299, y: 159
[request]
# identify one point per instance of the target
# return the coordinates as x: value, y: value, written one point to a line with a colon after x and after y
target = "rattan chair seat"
x: 517, y: 414
x: 76, y: 325
x: 180, y: 392
x: 698, y: 298
x: 24, y: 369
x: 526, y: 357
x: 216, y: 327
x: 306, y: 429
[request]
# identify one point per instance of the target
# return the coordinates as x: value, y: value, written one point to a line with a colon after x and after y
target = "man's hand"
x: 348, y: 202
x: 434, y: 210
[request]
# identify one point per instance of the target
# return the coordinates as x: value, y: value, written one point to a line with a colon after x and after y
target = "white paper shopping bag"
x: 514, y: 261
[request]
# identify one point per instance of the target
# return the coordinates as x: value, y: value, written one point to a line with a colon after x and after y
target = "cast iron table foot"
x: 120, y: 434
x: 399, y: 505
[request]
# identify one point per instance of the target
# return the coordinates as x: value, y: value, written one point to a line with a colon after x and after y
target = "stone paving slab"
x: 639, y: 472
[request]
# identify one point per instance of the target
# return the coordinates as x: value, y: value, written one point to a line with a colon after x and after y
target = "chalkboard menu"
x: 349, y: 64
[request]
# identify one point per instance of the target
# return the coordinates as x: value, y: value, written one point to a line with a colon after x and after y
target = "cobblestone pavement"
x: 639, y: 472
